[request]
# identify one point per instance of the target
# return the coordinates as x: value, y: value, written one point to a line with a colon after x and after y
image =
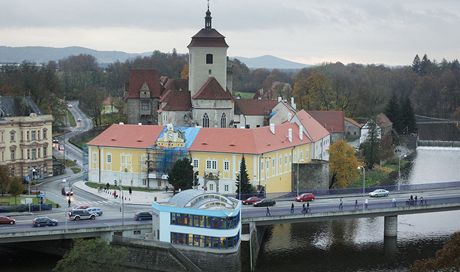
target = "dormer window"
x: 209, y: 59
x: 144, y: 92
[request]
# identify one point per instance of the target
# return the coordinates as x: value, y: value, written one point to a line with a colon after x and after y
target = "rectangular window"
x: 211, y: 164
x: 34, y: 154
x: 209, y: 58
x: 34, y: 135
x: 12, y: 136
x: 208, y: 164
x: 13, y: 154
x: 28, y: 154
x: 1, y: 136
x: 94, y: 157
x: 39, y: 150
x: 226, y: 188
x: 211, y: 187
x: 195, y: 163
x: 145, y: 106
x: 214, y: 165
x: 44, y: 152
x: 28, y: 135
x: 226, y: 165
x: 44, y: 134
x: 109, y: 158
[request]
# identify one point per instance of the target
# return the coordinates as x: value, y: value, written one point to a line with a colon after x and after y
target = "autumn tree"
x: 15, y: 187
x: 181, y: 175
x: 92, y: 256
x: 342, y: 163
x: 4, y: 179
x: 446, y: 259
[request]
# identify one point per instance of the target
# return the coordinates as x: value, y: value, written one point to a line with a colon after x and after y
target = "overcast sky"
x: 307, y: 31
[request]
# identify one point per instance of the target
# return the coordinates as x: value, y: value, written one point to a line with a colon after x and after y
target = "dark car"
x: 44, y: 221
x: 7, y: 220
x: 78, y: 214
x: 305, y: 197
x: 140, y: 216
x: 265, y: 202
x: 251, y: 200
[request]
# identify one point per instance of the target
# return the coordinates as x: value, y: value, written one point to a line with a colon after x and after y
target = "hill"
x: 271, y: 62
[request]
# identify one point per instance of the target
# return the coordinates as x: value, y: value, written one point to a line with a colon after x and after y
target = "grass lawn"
x: 141, y: 189
x: 75, y: 170
x: 245, y: 95
x: 70, y: 119
x: 9, y: 200
x: 113, y: 118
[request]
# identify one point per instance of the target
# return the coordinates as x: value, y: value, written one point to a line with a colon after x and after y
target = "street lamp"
x: 364, y: 177
x: 301, y: 160
x: 399, y: 169
x: 122, y: 204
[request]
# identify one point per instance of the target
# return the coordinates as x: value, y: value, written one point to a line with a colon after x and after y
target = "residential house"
x: 383, y: 128
x: 333, y: 121
x: 352, y: 128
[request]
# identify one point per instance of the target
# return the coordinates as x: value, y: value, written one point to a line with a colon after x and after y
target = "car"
x: 305, y: 197
x: 140, y: 216
x: 44, y: 221
x: 379, y: 193
x: 55, y: 141
x: 251, y: 200
x: 79, y: 214
x: 96, y: 211
x: 7, y: 220
x: 265, y: 202
x: 69, y: 105
x: 67, y: 191
x: 79, y: 120
x: 64, y: 180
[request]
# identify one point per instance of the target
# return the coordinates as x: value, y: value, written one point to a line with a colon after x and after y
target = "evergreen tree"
x: 425, y: 65
x: 243, y: 179
x: 416, y: 65
x: 408, y: 124
x: 181, y: 175
x: 393, y: 112
x: 371, y: 147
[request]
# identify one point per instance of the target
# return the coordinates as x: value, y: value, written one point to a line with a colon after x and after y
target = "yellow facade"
x: 271, y: 170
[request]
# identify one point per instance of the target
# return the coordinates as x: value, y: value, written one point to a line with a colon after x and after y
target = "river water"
x: 358, y: 244
x: 342, y: 245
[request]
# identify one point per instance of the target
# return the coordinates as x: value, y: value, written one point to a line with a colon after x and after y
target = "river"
x: 341, y: 245
x: 358, y: 244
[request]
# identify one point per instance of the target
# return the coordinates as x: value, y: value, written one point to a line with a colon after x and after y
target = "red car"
x: 305, y: 197
x: 7, y: 220
x: 251, y: 200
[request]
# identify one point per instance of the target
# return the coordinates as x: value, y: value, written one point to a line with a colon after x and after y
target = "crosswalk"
x: 95, y: 203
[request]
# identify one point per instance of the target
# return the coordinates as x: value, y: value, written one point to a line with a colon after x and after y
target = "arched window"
x: 205, y: 120
x: 208, y: 58
x: 223, y: 121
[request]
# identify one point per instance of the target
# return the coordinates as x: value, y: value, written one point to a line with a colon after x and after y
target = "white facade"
x: 365, y: 132
x: 200, y: 71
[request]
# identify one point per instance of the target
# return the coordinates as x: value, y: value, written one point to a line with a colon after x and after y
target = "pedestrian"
x: 308, y: 207
x: 304, y: 210
x: 268, y: 212
x: 107, y: 186
x: 366, y: 203
x: 292, y: 208
x: 421, y: 200
x: 394, y: 202
x: 411, y: 200
x: 356, y: 203
x: 130, y: 190
x: 341, y: 204
x: 69, y: 201
x: 166, y: 189
x: 415, y: 198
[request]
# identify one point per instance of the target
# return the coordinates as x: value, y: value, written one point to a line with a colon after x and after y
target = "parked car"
x: 379, y: 193
x: 43, y: 221
x: 79, y: 214
x: 7, y: 220
x: 265, y: 202
x: 79, y: 120
x: 305, y: 197
x: 96, y: 211
x: 251, y: 200
x: 140, y: 216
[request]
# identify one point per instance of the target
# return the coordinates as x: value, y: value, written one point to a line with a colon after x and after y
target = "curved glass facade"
x: 204, y: 241
x: 202, y: 221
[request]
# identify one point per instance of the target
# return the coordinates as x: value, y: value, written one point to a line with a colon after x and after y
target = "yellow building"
x: 25, y: 138
x: 268, y: 151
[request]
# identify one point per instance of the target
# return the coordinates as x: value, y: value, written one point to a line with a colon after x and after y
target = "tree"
x: 15, y: 187
x: 243, y: 179
x: 425, y: 65
x: 343, y: 163
x: 408, y: 124
x: 181, y: 176
x: 446, y: 259
x: 92, y: 256
x: 392, y: 111
x: 416, y: 64
x: 4, y: 179
x: 371, y: 147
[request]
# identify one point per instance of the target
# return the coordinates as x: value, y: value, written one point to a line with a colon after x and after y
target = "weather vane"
x: 208, y: 4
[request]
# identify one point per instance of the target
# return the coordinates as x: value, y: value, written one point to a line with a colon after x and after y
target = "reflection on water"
x: 358, y: 244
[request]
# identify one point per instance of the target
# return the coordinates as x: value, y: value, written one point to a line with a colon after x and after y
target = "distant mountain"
x: 41, y: 54
x: 271, y: 62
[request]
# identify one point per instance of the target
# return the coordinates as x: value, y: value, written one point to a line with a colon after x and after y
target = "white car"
x: 379, y: 193
x: 96, y: 211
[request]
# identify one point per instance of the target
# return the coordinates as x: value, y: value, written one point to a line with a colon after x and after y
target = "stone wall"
x: 312, y: 175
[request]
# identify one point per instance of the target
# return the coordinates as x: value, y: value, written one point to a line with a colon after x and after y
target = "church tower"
x: 207, y: 57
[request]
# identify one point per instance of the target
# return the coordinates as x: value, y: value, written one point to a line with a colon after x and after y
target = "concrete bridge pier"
x: 390, y: 226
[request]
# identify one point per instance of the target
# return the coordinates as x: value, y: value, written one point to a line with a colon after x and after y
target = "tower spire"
x: 207, y: 19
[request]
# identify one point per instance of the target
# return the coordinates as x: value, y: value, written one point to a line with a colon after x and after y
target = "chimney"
x: 280, y: 99
x: 272, y: 128
x: 289, y: 116
x: 293, y: 105
x: 290, y: 135
x: 301, y: 132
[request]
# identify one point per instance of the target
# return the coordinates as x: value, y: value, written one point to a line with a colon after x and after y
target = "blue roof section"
x: 189, y: 134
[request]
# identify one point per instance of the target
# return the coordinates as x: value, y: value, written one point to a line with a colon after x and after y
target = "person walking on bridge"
x: 366, y: 203
x: 69, y: 201
x: 292, y: 208
x: 268, y: 212
x: 341, y: 204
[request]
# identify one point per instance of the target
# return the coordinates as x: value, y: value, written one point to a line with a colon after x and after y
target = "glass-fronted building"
x: 197, y: 219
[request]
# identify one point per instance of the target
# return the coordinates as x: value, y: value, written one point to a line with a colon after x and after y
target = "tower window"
x: 208, y: 58
x: 223, y: 121
x: 205, y: 120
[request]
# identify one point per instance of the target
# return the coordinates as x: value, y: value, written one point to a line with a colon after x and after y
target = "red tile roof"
x: 383, y: 121
x: 254, y: 106
x: 138, y: 77
x: 211, y: 90
x: 313, y: 128
x: 333, y: 121
x: 174, y: 100
x: 134, y: 136
x: 176, y: 84
x: 247, y: 141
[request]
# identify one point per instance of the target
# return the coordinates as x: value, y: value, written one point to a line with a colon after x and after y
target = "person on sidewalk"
x: 394, y: 202
x: 130, y: 190
x: 308, y: 207
x: 341, y: 204
x: 69, y: 201
x: 366, y: 203
x: 292, y: 208
x: 268, y: 212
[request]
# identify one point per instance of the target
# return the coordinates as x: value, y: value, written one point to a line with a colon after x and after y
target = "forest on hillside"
x: 432, y: 87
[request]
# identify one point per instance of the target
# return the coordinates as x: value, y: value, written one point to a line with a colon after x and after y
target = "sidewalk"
x: 137, y: 197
